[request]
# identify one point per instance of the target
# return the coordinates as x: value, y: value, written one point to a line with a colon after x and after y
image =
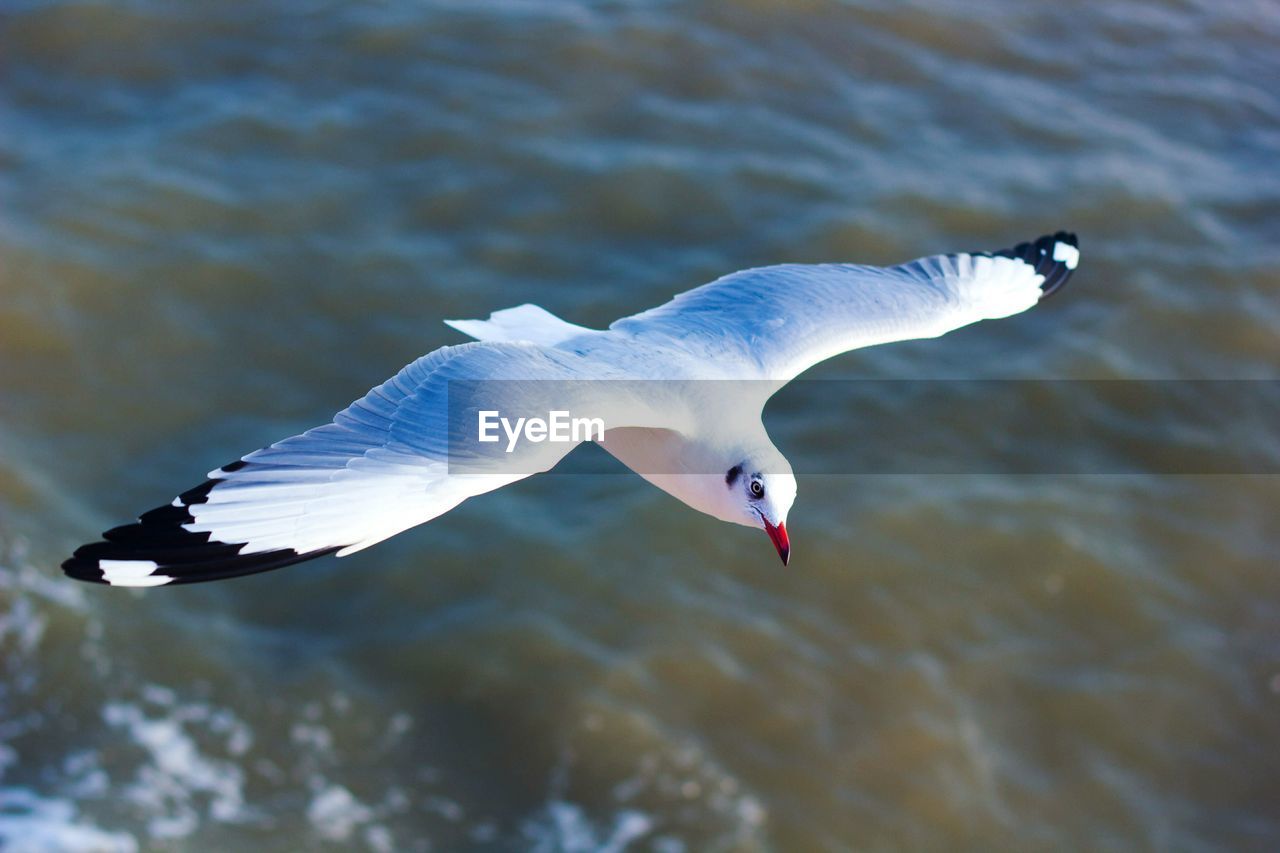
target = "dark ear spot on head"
x: 732, y: 476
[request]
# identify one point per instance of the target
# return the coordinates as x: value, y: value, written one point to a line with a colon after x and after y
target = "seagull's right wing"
x: 782, y: 320
x: 403, y: 454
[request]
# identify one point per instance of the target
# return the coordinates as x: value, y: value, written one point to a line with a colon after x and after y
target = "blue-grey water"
x: 221, y: 222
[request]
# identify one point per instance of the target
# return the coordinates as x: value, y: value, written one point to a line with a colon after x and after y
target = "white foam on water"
x: 563, y: 826
x: 30, y: 823
x: 379, y: 839
x: 23, y: 626
x: 335, y: 813
x: 671, y: 778
x: 170, y: 788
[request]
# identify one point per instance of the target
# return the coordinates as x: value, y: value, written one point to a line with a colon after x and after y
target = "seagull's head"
x: 759, y: 491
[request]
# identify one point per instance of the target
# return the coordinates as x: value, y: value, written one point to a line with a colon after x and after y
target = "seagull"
x: 676, y: 394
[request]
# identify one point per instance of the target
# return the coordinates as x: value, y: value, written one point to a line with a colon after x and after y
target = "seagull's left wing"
x: 782, y: 320
x: 406, y: 452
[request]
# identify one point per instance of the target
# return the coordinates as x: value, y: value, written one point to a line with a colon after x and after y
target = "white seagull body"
x: 409, y: 450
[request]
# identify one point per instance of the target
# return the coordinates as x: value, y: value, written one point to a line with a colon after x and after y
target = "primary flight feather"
x: 410, y: 450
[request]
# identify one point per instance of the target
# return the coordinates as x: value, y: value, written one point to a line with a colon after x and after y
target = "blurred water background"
x: 221, y: 222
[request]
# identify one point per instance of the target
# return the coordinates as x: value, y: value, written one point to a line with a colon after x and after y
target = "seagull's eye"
x: 757, y: 489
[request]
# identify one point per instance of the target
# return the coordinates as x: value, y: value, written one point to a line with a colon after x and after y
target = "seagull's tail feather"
x: 522, y: 323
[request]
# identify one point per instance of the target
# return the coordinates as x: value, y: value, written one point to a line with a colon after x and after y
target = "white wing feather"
x: 778, y: 321
x: 403, y: 454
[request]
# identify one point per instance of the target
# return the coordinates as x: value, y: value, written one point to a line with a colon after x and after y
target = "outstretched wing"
x: 782, y: 320
x: 406, y: 452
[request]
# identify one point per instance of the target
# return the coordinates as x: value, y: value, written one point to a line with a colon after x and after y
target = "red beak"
x: 780, y: 541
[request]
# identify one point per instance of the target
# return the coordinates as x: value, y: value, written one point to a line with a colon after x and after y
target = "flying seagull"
x: 416, y: 446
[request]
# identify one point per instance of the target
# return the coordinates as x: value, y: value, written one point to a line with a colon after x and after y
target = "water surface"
x: 221, y: 222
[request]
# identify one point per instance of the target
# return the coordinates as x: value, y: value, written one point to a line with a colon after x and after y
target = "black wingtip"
x: 158, y: 550
x: 210, y: 568
x: 1054, y: 256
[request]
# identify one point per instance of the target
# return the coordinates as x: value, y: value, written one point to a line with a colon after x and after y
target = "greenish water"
x: 221, y: 222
